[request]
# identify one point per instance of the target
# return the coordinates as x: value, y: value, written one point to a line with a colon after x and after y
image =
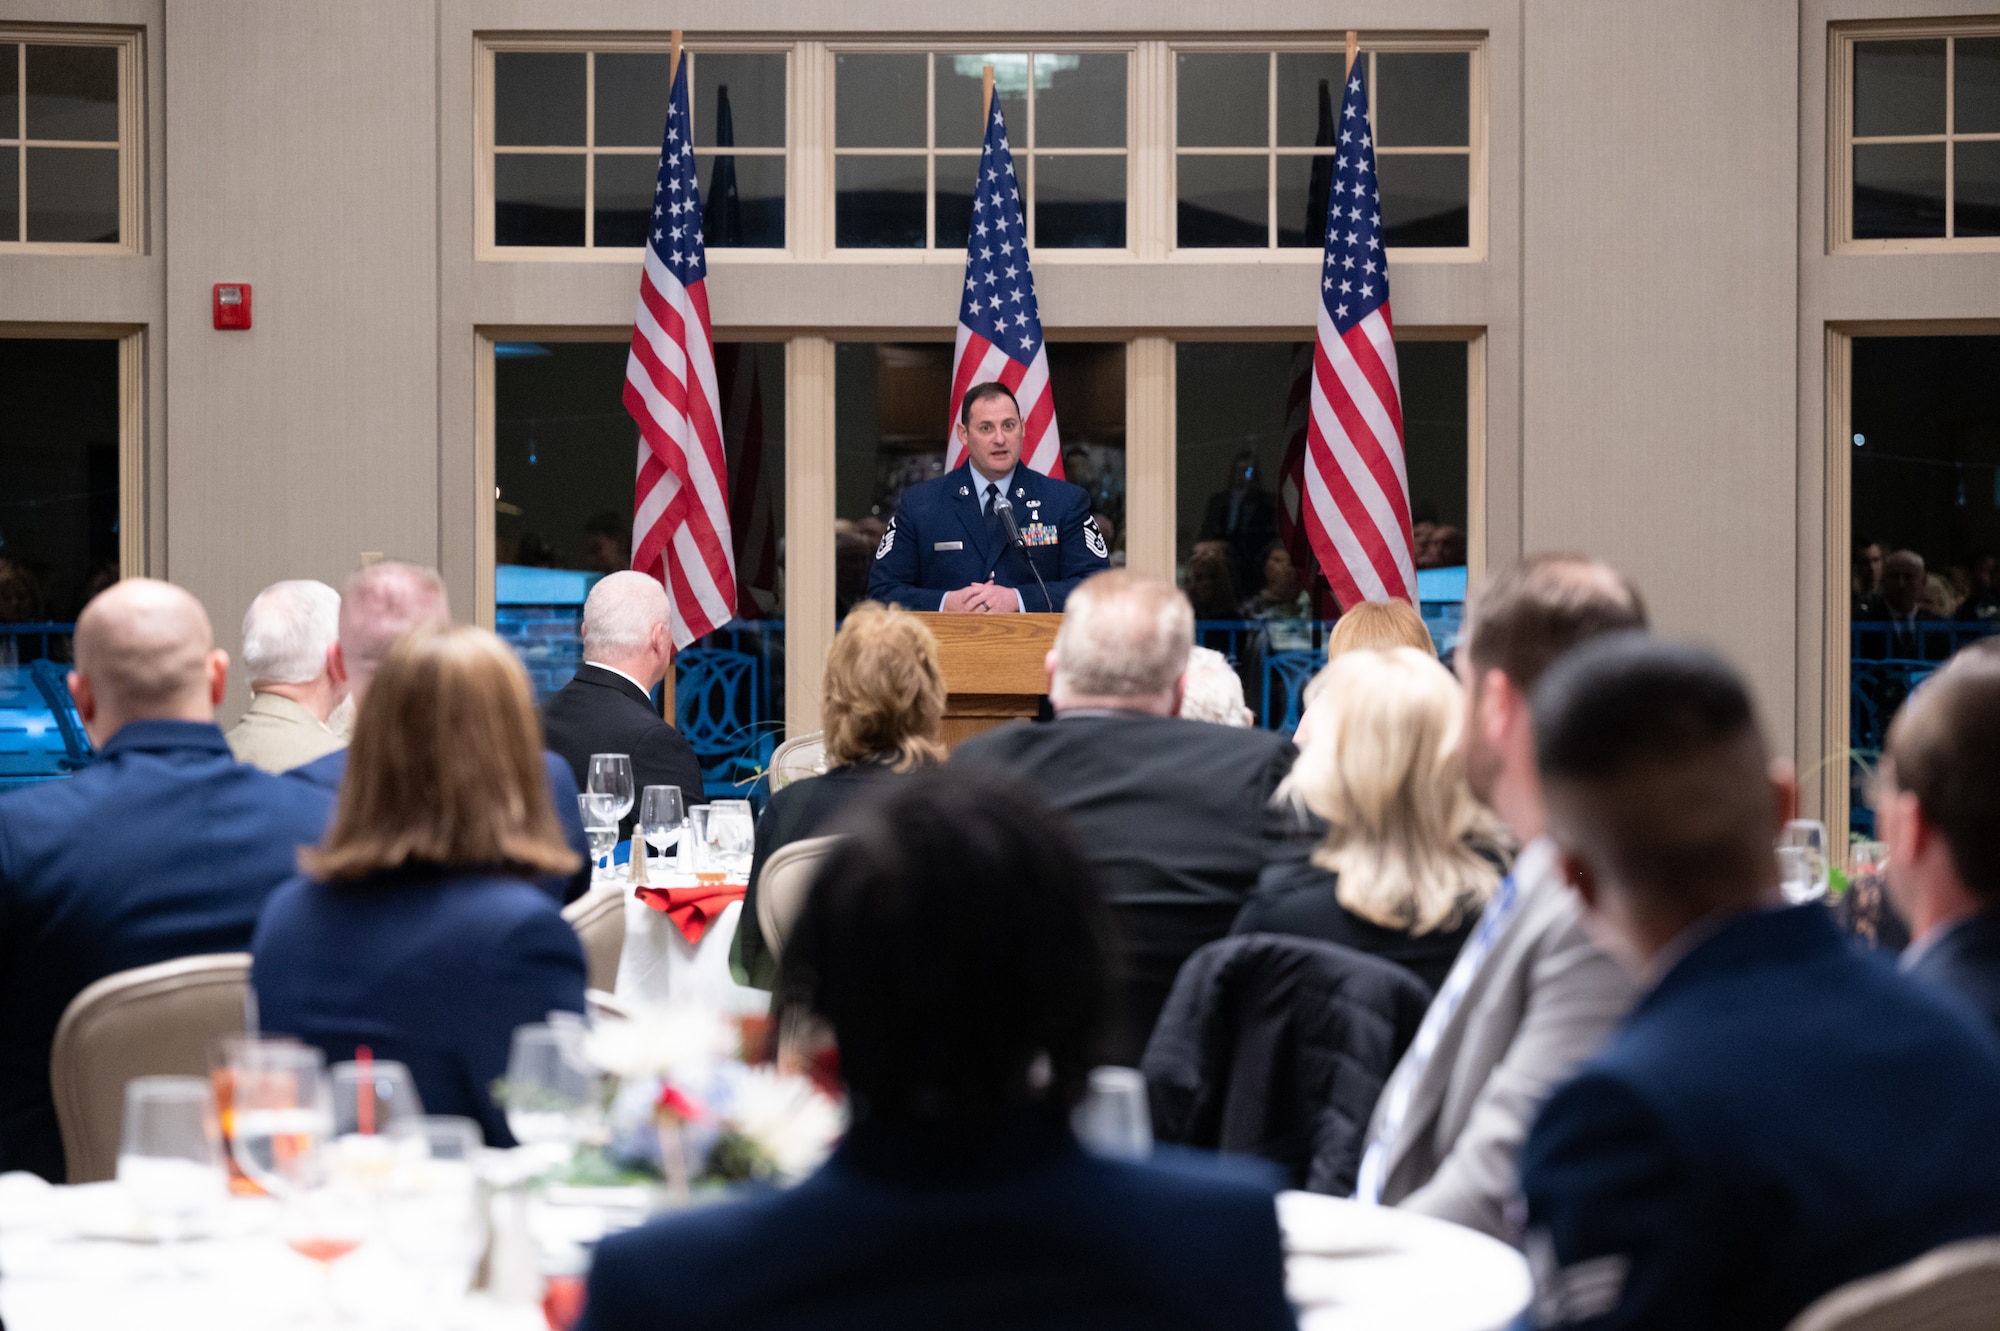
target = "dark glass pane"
x: 624, y: 199
x: 10, y: 90
x: 73, y: 92
x: 1301, y: 76
x: 1223, y: 99
x: 1080, y: 203
x: 73, y: 194
x: 958, y: 92
x: 878, y: 203
x: 1976, y: 189
x: 1422, y: 99
x: 1302, y: 201
x: 538, y: 198
x: 632, y: 88
x: 58, y: 478
x: 1898, y: 190
x: 1898, y: 88
x: 538, y: 99
x: 755, y: 218
x: 10, y: 193
x: 755, y: 88
x: 1977, y: 86
x: 1079, y: 101
x: 1221, y: 202
x: 878, y: 101
x: 1425, y: 199
x: 954, y: 201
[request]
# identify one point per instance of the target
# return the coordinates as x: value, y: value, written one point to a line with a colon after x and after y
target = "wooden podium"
x: 993, y: 668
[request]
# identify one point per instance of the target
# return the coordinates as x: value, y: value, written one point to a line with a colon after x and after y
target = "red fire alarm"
x: 232, y: 304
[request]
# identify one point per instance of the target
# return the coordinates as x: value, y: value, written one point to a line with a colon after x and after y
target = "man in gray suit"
x: 1530, y: 996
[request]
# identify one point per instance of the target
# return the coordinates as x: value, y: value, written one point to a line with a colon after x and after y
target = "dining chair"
x: 598, y: 916
x: 148, y: 1021
x: 1952, y: 1288
x: 781, y: 888
x: 799, y: 757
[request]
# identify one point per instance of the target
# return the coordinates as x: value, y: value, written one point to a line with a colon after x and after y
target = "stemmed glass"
x: 600, y: 827
x: 170, y: 1157
x: 433, y: 1216
x: 553, y: 1094
x: 611, y: 774
x: 661, y: 813
x: 1802, y: 860
x: 282, y: 1110
x: 732, y: 838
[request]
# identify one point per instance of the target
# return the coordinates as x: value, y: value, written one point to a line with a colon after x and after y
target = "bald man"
x: 164, y: 847
x: 608, y: 707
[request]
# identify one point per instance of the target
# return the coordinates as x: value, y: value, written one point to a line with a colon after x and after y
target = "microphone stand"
x: 1005, y: 510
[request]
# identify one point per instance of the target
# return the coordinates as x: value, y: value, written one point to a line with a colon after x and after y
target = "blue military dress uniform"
x: 941, y: 540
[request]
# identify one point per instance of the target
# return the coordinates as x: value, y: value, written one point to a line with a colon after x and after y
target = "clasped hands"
x: 987, y: 598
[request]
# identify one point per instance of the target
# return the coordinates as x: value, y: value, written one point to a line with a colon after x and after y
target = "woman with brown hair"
x: 882, y: 707
x: 416, y: 928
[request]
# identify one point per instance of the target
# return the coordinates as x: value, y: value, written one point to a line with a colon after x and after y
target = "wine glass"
x: 1113, y: 1119
x: 223, y: 1054
x: 661, y: 813
x: 1802, y: 860
x: 281, y: 1105
x: 327, y: 1213
x: 170, y: 1156
x: 600, y: 827
x: 611, y: 774
x: 433, y: 1218
x: 552, y: 1093
x: 369, y: 1099
x: 732, y: 836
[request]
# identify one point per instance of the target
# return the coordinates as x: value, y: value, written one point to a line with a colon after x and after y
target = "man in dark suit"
x: 947, y: 548
x: 608, y: 707
x: 165, y: 847
x: 1174, y: 814
x: 1779, y: 1115
x: 1938, y: 810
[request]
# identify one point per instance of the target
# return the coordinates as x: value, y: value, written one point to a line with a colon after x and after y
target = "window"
x: 908, y: 128
x: 67, y: 147
x: 1922, y: 141
x: 1254, y: 129
x: 576, y: 146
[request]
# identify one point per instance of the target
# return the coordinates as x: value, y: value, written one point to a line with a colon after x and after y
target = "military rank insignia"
x: 1039, y: 533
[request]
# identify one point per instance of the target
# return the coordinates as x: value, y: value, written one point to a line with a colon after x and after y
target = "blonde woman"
x: 1409, y: 856
x: 882, y: 710
x: 1368, y: 627
x: 417, y: 928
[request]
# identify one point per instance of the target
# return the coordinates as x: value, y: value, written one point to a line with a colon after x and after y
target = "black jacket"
x: 601, y: 711
x: 1299, y: 899
x: 1176, y: 818
x: 1964, y: 962
x: 1279, y: 1047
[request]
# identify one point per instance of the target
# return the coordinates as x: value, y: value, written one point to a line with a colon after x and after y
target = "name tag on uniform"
x: 1040, y: 533
x: 949, y: 545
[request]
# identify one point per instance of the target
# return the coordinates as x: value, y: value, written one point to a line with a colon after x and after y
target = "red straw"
x: 364, y: 1057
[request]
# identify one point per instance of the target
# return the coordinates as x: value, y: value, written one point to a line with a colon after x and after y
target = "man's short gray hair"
x: 1124, y: 635
x: 287, y: 631
x: 620, y: 613
x: 1214, y: 691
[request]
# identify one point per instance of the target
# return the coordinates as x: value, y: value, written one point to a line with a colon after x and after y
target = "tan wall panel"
x: 1659, y: 288
x: 301, y: 150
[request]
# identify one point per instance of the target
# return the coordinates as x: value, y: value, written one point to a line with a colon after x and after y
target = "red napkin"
x: 692, y: 909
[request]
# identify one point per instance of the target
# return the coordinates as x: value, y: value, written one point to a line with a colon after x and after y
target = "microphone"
x: 1005, y: 511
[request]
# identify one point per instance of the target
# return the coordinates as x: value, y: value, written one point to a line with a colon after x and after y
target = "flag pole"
x: 985, y: 99
x: 1353, y: 48
x: 674, y: 65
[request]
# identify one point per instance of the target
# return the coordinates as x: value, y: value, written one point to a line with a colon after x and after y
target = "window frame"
x: 1841, y: 141
x: 1473, y: 44
x: 130, y: 144
x: 486, y: 150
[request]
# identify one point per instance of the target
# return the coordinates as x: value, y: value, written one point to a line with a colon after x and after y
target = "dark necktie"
x: 993, y: 536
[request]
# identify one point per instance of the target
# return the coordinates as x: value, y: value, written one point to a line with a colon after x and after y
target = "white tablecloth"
x: 1354, y: 1267
x: 659, y: 965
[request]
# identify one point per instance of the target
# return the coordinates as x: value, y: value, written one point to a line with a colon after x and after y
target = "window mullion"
x: 1950, y: 148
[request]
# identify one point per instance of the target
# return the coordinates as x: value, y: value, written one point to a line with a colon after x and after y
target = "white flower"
x: 682, y: 1043
x: 794, y: 1123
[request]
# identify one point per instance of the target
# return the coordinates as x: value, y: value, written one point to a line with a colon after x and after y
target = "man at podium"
x: 951, y: 545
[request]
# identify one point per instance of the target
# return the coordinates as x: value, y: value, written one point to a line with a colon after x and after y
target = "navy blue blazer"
x: 1964, y: 962
x: 430, y: 967
x: 938, y: 542
x: 1779, y: 1116
x: 1035, y: 1233
x: 326, y: 774
x: 165, y: 847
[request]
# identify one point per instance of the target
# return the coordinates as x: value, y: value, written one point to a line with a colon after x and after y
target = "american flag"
x: 1356, y: 487
x: 999, y: 323
x: 680, y: 522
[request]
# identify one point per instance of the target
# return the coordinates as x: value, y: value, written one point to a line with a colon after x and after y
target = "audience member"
x: 1409, y: 856
x: 382, y: 603
x: 881, y: 709
x: 1241, y: 518
x: 1380, y: 624
x: 1982, y: 589
x: 289, y: 633
x: 1531, y: 996
x: 1779, y: 1115
x: 1938, y: 810
x: 628, y: 647
x: 164, y: 847
x: 607, y: 542
x: 1214, y: 691
x: 966, y: 1007
x: 1211, y: 586
x: 414, y: 929
x: 1175, y: 815
x: 1904, y: 587
x: 1868, y: 556
x: 1282, y: 605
